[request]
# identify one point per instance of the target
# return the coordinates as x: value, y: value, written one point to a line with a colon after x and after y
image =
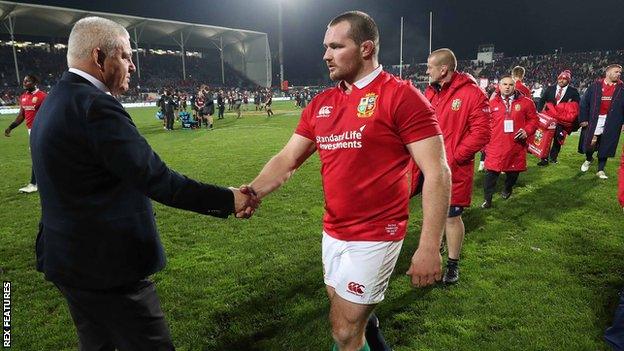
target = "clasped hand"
x: 246, y: 201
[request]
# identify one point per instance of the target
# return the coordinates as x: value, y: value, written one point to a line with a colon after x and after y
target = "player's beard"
x: 612, y: 78
x: 336, y: 74
x: 346, y: 73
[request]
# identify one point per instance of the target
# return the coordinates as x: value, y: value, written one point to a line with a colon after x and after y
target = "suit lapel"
x: 568, y: 95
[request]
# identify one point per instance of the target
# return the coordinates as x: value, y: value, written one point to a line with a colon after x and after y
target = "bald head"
x: 440, y: 66
x: 444, y: 57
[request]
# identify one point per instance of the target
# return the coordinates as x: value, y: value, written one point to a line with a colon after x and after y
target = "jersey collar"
x: 362, y: 83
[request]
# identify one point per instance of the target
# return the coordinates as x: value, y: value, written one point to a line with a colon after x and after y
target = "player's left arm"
x: 478, y: 133
x: 429, y: 155
x: 18, y: 120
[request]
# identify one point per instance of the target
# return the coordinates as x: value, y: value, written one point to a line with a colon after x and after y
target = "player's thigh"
x: 348, y: 315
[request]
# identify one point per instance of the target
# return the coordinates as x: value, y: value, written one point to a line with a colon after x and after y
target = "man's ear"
x: 444, y: 70
x: 367, y: 49
x: 98, y: 56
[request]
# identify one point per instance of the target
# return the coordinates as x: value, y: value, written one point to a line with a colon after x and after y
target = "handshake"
x: 246, y: 201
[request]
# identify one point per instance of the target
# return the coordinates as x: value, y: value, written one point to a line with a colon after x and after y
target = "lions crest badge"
x: 517, y: 107
x: 367, y: 105
x: 538, y: 137
x: 34, y: 100
x: 456, y: 104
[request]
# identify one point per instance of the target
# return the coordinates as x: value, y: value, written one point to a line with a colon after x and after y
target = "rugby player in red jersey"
x: 368, y: 130
x: 29, y: 101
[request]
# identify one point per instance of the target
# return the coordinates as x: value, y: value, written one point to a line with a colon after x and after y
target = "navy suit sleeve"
x: 126, y: 154
x: 585, y: 101
x: 576, y: 97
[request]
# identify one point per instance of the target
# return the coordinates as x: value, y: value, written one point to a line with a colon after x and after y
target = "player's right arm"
x: 18, y: 120
x: 585, y: 107
x: 430, y: 157
x: 282, y: 166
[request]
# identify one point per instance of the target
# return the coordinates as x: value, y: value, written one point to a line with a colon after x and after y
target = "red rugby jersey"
x: 200, y: 101
x: 30, y: 103
x: 607, y: 94
x: 361, y: 140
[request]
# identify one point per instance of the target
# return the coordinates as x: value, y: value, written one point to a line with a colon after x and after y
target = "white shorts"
x: 359, y: 271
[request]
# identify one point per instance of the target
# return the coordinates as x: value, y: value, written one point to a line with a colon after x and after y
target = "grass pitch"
x: 540, y: 271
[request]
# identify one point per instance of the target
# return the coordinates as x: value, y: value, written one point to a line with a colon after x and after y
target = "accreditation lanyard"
x: 508, y: 125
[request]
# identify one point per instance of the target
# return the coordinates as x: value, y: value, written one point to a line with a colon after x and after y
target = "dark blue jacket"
x: 96, y: 175
x: 590, y: 107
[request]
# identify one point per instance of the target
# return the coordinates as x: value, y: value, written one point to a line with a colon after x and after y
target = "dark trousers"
x: 491, y: 177
x: 589, y: 155
x: 221, y: 110
x: 614, y: 335
x: 127, y: 318
x: 33, y: 180
x: 556, y: 143
x: 169, y: 118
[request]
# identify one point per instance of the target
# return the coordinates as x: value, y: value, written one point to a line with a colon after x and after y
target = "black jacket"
x: 571, y: 94
x: 96, y: 175
x: 167, y: 104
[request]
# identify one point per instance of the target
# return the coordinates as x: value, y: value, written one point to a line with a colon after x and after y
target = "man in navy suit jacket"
x: 97, y: 239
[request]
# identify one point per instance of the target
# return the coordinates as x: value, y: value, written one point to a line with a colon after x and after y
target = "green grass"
x: 540, y: 271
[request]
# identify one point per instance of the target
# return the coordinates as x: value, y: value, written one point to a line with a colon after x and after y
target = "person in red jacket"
x: 464, y: 116
x: 517, y: 74
x: 514, y: 118
x: 30, y: 102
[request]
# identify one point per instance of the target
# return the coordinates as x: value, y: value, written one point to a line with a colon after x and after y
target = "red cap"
x: 565, y: 75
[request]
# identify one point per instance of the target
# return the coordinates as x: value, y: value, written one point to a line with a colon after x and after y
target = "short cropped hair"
x: 613, y: 65
x: 518, y: 72
x: 446, y: 57
x: 363, y: 27
x: 33, y: 78
x: 93, y: 32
